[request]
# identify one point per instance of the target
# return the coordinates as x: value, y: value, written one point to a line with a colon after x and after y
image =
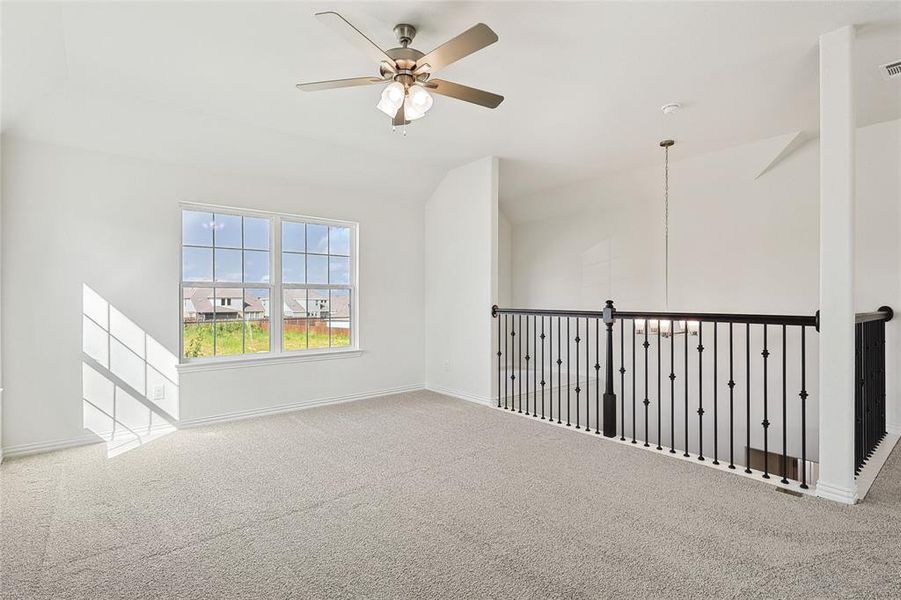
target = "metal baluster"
x: 765, y: 423
x: 519, y: 354
x: 646, y: 401
x: 868, y: 391
x: 527, y: 357
x: 578, y: 388
x: 865, y: 439
x: 860, y: 438
x: 543, y: 358
x: 803, y: 395
x: 877, y: 414
x: 748, y: 389
x: 559, y: 372
x: 535, y: 367
x: 881, y: 367
x: 672, y: 387
x: 731, y: 404
x: 871, y: 389
x: 865, y: 376
x: 858, y: 395
x: 700, y: 390
x: 597, y: 376
x: 715, y: 408
x: 622, y: 380
x: 784, y: 414
x: 686, y: 389
x: 587, y: 375
x: 513, y: 366
x: 535, y: 360
x: 568, y: 365
x: 659, y: 397
x: 550, y: 366
x: 634, y: 369
x: 499, y: 353
x: 506, y: 356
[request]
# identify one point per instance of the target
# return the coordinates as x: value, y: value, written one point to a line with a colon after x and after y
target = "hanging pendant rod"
x: 666, y: 145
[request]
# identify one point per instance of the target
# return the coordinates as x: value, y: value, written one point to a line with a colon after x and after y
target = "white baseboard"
x: 89, y: 438
x: 484, y: 400
x: 294, y: 406
x: 50, y: 445
x: 836, y: 493
x: 894, y: 428
x: 874, y: 464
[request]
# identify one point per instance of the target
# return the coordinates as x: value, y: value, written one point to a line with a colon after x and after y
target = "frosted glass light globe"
x: 418, y: 102
x: 392, y: 98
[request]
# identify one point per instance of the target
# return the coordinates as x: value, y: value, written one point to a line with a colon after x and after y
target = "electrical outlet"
x: 447, y: 365
x: 159, y: 392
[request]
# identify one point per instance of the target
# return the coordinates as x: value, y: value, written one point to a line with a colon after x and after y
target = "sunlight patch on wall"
x: 129, y: 380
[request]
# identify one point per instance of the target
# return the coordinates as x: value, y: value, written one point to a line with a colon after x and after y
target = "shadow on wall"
x: 129, y: 380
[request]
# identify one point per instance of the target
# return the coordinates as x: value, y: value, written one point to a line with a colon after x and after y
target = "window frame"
x: 275, y: 286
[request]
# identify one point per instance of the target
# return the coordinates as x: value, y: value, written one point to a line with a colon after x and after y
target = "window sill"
x: 243, y: 362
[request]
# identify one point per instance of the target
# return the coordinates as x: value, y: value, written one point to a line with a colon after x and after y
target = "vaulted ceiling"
x: 212, y: 83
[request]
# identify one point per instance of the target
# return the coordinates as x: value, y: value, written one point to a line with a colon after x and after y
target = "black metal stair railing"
x: 563, y: 342
x: 869, y: 393
x: 531, y: 370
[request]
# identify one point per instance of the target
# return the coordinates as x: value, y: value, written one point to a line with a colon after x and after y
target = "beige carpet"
x: 423, y: 496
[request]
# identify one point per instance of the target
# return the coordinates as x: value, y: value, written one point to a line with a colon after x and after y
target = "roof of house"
x: 296, y: 301
x: 202, y: 300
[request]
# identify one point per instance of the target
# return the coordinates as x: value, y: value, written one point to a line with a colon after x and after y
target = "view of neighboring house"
x: 202, y: 304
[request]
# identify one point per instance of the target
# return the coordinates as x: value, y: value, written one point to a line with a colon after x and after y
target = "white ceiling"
x: 212, y: 83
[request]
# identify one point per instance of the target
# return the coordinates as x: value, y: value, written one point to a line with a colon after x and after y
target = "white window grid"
x: 275, y: 286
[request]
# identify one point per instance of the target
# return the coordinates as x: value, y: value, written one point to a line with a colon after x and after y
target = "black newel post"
x: 609, y: 396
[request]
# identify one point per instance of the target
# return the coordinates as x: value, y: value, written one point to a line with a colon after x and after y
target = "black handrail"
x: 547, y: 312
x: 885, y: 313
x: 754, y: 319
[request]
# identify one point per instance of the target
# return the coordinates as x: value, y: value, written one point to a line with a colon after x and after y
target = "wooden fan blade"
x: 353, y: 35
x: 472, y: 40
x: 331, y: 84
x: 465, y: 93
x: 399, y: 118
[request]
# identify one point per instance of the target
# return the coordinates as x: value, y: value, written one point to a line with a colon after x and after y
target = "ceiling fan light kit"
x: 407, y: 71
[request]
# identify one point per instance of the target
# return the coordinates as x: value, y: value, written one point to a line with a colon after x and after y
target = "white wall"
x: 504, y: 260
x: 1, y: 302
x: 733, y: 240
x: 737, y: 244
x: 461, y: 242
x: 877, y: 253
x: 72, y: 217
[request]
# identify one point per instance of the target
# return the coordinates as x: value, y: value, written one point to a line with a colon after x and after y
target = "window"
x: 234, y: 264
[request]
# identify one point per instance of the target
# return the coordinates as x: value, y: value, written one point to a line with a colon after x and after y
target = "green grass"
x: 198, y: 337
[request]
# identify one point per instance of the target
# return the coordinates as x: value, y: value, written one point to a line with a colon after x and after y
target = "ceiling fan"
x: 408, y: 71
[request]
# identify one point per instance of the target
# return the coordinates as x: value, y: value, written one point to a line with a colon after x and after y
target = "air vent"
x: 892, y: 70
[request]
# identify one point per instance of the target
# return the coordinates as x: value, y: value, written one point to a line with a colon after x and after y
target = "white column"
x: 837, y: 124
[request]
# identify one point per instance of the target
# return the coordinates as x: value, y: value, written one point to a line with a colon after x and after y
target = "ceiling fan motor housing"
x: 405, y: 59
x: 405, y: 34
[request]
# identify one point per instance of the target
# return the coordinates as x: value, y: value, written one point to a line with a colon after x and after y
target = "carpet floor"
x: 423, y: 496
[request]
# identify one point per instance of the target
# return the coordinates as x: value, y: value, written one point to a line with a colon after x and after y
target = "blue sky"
x: 206, y: 235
